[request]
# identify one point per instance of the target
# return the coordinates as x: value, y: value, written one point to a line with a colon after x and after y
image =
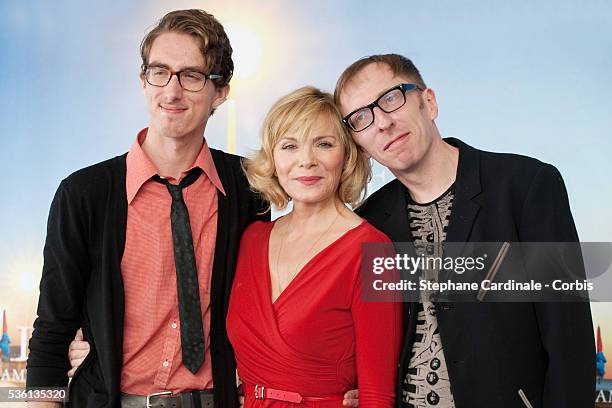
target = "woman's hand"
x: 78, y: 350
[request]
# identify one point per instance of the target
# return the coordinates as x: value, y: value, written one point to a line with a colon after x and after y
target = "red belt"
x: 260, y: 392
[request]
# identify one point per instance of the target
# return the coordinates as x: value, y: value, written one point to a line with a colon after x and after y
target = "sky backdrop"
x: 532, y: 78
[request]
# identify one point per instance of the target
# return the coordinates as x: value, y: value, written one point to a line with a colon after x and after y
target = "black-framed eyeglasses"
x: 189, y: 79
x: 393, y: 99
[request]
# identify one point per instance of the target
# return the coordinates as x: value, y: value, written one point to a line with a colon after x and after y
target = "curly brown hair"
x: 207, y: 30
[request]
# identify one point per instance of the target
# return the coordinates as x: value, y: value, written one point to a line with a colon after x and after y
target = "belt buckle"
x: 156, y: 394
x: 260, y: 392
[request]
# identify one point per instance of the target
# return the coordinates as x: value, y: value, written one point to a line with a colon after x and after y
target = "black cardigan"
x: 81, y: 284
x: 493, y: 350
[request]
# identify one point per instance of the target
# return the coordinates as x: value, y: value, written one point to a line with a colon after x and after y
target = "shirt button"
x: 174, y: 325
x: 166, y: 364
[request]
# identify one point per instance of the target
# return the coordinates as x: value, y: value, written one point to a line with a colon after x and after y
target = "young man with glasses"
x: 467, y: 355
x: 141, y: 248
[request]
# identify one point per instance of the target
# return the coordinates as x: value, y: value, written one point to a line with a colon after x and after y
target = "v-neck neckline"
x: 282, y: 295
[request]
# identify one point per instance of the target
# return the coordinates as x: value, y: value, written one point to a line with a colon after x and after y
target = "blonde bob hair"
x: 297, y: 112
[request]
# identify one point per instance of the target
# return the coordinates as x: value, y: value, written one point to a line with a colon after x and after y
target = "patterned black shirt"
x: 426, y: 383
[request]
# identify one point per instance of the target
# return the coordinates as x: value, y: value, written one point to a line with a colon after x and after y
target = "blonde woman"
x: 300, y: 331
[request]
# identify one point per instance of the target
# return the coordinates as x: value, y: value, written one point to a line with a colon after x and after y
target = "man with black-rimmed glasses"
x: 467, y: 355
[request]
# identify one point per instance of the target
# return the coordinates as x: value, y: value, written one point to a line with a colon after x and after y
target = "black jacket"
x: 493, y: 350
x: 81, y: 284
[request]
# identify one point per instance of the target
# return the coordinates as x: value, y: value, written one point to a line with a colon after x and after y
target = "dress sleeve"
x: 378, y: 336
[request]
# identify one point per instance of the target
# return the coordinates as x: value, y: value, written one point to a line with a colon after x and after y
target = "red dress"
x: 318, y: 338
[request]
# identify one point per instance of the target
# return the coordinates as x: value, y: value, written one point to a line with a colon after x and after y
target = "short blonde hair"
x: 298, y: 111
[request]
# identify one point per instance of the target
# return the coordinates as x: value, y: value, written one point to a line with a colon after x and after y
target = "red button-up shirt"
x: 152, y: 359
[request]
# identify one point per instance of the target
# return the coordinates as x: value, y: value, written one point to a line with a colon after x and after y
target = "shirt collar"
x: 140, y: 168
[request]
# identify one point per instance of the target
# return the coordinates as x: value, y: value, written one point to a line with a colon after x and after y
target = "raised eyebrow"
x: 385, y: 91
x: 380, y: 94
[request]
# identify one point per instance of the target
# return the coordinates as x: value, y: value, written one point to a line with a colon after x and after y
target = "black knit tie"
x: 192, y: 332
